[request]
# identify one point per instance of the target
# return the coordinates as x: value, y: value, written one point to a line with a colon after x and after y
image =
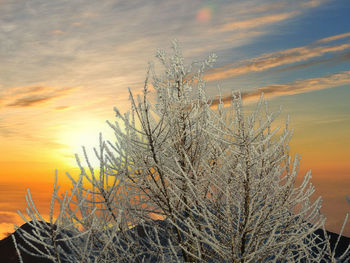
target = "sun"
x: 82, y: 133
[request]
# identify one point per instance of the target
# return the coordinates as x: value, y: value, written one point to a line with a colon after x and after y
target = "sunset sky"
x: 65, y: 64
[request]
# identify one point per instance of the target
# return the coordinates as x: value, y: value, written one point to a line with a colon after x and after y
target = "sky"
x: 65, y: 64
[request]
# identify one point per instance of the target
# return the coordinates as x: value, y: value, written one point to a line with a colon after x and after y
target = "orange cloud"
x: 8, y: 214
x: 272, y: 60
x: 267, y: 7
x: 296, y: 87
x: 256, y: 22
x: 57, y: 32
x: 7, y: 217
x: 314, y: 3
x: 31, y: 96
x: 24, y: 90
x: 5, y: 131
x: 332, y: 38
x: 90, y: 14
x: 77, y: 24
x: 62, y: 107
x: 344, y: 56
x: 30, y: 101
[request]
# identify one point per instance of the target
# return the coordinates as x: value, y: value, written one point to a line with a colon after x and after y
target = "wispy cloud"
x: 57, y: 32
x: 28, y: 90
x: 32, y: 96
x: 12, y: 195
x: 272, y: 60
x: 313, y: 3
x: 333, y: 38
x: 7, y: 217
x: 31, y: 100
x: 341, y: 57
x: 5, y: 131
x: 255, y: 22
x: 264, y: 7
x: 62, y: 107
x: 258, y: 14
x: 296, y: 87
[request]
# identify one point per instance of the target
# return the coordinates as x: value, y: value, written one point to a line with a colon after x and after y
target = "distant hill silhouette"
x: 344, y: 241
x: 8, y: 252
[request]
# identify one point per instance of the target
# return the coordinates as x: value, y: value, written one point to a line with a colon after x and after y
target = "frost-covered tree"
x: 184, y: 182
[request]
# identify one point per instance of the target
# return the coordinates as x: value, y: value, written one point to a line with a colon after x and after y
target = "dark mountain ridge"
x: 8, y: 252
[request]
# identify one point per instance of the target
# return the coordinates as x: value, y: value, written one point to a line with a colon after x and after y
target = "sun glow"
x: 82, y: 133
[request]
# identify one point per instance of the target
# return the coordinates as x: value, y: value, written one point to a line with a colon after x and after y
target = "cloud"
x: 62, y: 107
x: 90, y: 15
x: 32, y: 96
x: 5, y: 131
x: 313, y: 3
x: 255, y: 22
x: 26, y: 90
x: 90, y: 44
x: 6, y: 229
x: 333, y: 38
x: 263, y: 13
x: 296, y: 87
x: 77, y: 24
x: 30, y: 101
x: 57, y: 32
x: 265, y: 7
x: 344, y: 56
x: 7, y: 217
x: 331, y: 121
x: 8, y: 27
x: 271, y: 60
x: 7, y: 221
